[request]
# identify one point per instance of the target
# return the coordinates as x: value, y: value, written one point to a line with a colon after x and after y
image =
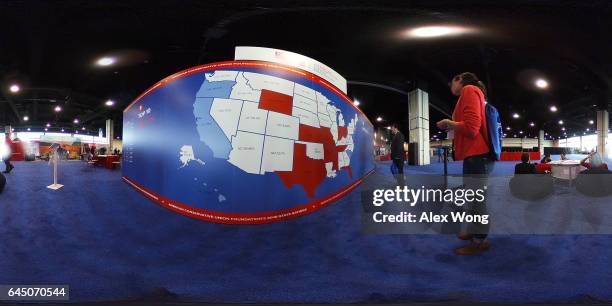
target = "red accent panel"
x: 276, y: 102
x: 516, y: 156
x: 238, y: 218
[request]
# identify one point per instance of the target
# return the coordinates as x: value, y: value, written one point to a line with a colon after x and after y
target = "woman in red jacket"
x: 468, y: 129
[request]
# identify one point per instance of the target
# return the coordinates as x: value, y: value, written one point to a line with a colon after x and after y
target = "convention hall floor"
x: 108, y: 242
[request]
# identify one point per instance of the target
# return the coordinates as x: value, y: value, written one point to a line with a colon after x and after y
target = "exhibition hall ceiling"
x: 50, y: 50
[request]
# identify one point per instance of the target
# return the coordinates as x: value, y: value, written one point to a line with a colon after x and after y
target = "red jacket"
x: 471, y: 130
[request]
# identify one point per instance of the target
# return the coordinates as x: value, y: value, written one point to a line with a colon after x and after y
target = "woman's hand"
x: 446, y: 124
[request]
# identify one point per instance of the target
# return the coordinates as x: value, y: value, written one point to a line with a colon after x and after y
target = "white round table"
x: 565, y: 169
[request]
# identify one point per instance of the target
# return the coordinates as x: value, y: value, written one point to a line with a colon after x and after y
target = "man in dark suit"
x: 397, y: 152
x: 525, y: 167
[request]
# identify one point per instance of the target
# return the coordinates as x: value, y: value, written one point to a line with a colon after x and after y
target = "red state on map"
x: 307, y: 172
x: 275, y: 102
x: 342, y: 132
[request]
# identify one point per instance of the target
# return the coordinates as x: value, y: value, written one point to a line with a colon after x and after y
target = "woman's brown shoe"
x: 473, y: 248
x: 465, y: 236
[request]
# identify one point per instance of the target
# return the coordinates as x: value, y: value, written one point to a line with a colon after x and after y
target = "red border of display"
x: 242, y: 218
x: 248, y: 64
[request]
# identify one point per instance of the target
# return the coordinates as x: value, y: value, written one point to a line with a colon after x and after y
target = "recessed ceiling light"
x: 379, y: 119
x: 48, y: 124
x: 29, y: 129
x: 541, y: 83
x: 515, y: 116
x: 591, y: 122
x: 561, y: 122
x: 553, y: 108
x: 75, y: 121
x: 437, y: 31
x: 532, y: 124
x: 563, y: 129
x: 356, y: 103
x: 26, y: 118
x: 83, y: 128
x: 105, y: 61
x: 109, y: 102
x: 57, y: 109
x: 14, y: 88
x: 507, y: 128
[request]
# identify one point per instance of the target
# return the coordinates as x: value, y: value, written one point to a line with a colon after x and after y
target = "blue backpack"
x: 495, y: 130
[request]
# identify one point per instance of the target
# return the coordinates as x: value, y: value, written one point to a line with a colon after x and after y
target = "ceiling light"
x: 356, y: 103
x: 111, y: 103
x: 379, y: 119
x: 520, y: 132
x: 46, y: 129
x: 105, y: 61
x: 83, y: 128
x: 563, y: 129
x: 591, y: 122
x: 561, y: 122
x: 48, y: 124
x: 553, y: 108
x: 29, y: 129
x: 62, y: 130
x: 532, y: 124
x: 76, y: 121
x: 57, y: 109
x: 588, y: 130
x: 541, y: 83
x: 507, y: 128
x: 76, y: 132
x: 437, y: 31
x: 515, y: 116
x: 14, y: 88
x: 26, y: 118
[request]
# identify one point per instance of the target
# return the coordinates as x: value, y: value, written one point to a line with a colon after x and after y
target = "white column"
x: 602, y: 132
x: 541, y: 142
x: 418, y: 115
x: 110, y: 135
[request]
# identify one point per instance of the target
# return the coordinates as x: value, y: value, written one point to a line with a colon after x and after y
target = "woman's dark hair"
x: 469, y: 78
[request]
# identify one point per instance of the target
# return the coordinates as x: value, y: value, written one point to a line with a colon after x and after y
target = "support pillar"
x: 110, y: 134
x: 418, y: 117
x: 603, y: 120
x: 541, y: 142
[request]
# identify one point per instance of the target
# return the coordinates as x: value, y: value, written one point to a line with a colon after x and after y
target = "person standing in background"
x: 397, y: 152
x: 7, y: 159
x: 468, y: 129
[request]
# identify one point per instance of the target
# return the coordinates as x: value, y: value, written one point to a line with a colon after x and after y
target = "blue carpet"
x: 108, y: 242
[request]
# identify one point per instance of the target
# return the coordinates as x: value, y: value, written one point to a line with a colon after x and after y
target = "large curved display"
x: 245, y: 142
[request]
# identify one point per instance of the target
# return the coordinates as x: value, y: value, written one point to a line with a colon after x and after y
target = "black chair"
x: 531, y: 187
x: 594, y: 182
